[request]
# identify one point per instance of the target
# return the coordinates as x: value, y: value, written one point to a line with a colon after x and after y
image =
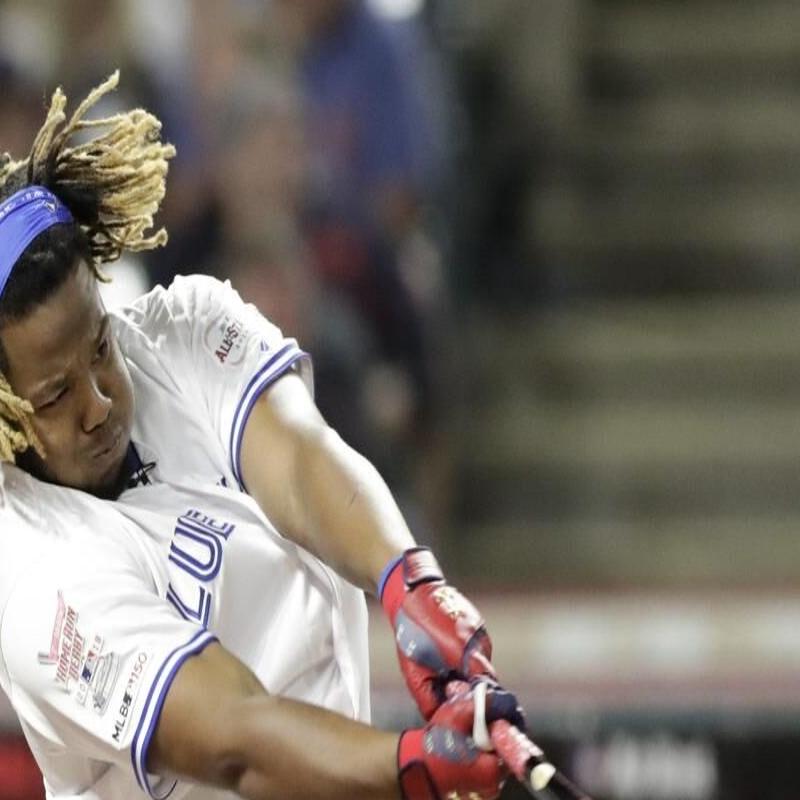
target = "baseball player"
x: 185, y: 606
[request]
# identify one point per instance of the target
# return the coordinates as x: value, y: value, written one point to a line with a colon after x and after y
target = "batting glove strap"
x: 416, y: 566
x: 415, y: 780
x: 442, y: 762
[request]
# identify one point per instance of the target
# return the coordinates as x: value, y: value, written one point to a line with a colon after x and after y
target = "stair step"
x: 725, y: 136
x: 667, y: 334
x: 610, y: 75
x: 763, y: 222
x: 662, y: 33
x: 517, y: 433
x: 550, y: 376
x: 558, y: 492
x: 759, y: 550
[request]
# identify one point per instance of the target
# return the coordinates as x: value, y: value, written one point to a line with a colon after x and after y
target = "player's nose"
x: 96, y: 407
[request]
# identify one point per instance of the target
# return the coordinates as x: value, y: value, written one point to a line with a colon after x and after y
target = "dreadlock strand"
x: 43, y: 154
x: 16, y: 428
x: 9, y: 444
x: 8, y: 166
x: 108, y: 85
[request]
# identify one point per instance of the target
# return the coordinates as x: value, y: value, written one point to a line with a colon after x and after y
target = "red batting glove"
x: 440, y: 635
x: 441, y: 760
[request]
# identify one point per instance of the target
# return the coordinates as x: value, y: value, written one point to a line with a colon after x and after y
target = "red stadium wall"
x: 20, y: 778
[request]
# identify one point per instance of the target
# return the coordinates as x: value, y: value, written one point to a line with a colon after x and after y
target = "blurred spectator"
x: 263, y: 171
x: 375, y: 163
x: 29, y: 41
x: 20, y: 111
x: 261, y: 155
x: 517, y: 64
x: 150, y: 43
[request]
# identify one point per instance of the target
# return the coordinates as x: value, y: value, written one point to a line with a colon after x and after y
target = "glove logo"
x: 450, y: 601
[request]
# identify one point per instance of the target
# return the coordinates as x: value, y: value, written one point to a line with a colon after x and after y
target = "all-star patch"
x: 225, y: 339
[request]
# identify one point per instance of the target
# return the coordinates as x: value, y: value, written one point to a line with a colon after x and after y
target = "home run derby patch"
x: 67, y: 646
x: 82, y: 665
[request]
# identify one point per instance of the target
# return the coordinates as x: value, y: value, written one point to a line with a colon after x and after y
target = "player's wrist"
x: 391, y: 566
x: 409, y: 746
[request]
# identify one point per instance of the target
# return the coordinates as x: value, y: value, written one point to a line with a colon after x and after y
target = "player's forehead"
x: 57, y: 331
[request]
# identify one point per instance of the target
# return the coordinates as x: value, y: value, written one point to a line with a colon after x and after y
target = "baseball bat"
x: 526, y: 761
x: 529, y: 765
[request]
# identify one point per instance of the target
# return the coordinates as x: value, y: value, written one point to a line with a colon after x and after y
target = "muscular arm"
x: 318, y: 490
x: 218, y: 726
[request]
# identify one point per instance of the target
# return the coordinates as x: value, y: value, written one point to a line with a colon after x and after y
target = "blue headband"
x: 23, y: 217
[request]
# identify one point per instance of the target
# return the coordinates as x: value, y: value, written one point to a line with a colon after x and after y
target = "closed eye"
x: 54, y: 400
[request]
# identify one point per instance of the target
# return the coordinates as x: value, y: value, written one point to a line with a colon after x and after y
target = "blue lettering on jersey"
x: 197, y: 550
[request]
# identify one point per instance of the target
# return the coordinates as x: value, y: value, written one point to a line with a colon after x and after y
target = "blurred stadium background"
x: 546, y: 256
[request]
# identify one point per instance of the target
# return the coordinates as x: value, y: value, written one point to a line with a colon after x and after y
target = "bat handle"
x: 520, y: 754
x: 529, y: 765
x: 526, y: 761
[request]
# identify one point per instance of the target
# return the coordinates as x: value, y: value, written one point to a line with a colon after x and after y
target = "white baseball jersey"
x: 101, y: 601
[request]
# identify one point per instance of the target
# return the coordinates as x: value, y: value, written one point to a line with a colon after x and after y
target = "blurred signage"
x: 659, y: 766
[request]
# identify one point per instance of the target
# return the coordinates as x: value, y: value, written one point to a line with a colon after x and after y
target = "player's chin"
x: 107, y: 477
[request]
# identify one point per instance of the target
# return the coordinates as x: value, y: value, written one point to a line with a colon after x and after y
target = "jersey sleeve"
x: 223, y: 351
x: 89, y: 655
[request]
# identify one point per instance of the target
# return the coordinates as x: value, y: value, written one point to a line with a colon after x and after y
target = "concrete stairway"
x: 651, y: 434
x: 633, y: 442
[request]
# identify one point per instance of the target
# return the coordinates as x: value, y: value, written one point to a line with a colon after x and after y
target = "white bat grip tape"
x: 480, y: 730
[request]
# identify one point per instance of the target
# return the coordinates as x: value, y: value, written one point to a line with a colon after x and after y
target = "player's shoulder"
x: 183, y: 296
x: 194, y: 315
x: 19, y: 499
x: 24, y: 537
x: 194, y: 289
x: 41, y: 522
x: 166, y: 313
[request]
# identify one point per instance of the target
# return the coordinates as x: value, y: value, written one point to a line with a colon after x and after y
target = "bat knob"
x: 541, y: 775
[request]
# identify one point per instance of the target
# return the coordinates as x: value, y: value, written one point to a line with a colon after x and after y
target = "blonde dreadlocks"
x: 123, y: 168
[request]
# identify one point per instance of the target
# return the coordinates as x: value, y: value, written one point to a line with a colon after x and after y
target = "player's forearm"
x: 219, y: 727
x: 316, y: 489
x: 351, y: 519
x: 296, y: 751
